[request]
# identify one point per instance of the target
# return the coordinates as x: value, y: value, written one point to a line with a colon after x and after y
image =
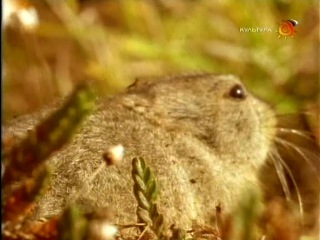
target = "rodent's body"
x: 203, y: 136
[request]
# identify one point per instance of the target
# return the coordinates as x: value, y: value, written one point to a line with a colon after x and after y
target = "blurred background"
x: 51, y: 45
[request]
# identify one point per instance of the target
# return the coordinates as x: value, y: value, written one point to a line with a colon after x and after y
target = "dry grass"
x: 114, y: 42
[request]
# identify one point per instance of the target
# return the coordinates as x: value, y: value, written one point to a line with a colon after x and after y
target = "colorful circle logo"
x: 286, y: 28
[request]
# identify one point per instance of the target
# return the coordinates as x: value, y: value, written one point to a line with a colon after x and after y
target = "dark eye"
x: 238, y: 91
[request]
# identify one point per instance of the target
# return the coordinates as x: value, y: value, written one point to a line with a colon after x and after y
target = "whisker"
x: 281, y: 175
x: 301, y: 133
x: 301, y: 207
x: 287, y: 144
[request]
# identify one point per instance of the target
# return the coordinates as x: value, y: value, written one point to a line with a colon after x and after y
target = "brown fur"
x: 205, y: 147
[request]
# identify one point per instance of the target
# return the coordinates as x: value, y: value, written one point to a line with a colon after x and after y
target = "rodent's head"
x: 217, y: 109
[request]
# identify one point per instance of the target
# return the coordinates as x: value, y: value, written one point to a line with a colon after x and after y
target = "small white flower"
x: 114, y: 154
x: 28, y: 17
x: 8, y: 9
x: 25, y: 13
x: 102, y: 230
x: 108, y: 231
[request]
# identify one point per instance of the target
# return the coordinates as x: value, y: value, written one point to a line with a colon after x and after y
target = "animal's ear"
x: 141, y: 82
x: 134, y: 84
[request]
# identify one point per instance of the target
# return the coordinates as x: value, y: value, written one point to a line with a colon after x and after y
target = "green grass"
x: 114, y: 42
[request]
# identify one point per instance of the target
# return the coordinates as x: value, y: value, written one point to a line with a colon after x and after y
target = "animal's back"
x: 194, y: 176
